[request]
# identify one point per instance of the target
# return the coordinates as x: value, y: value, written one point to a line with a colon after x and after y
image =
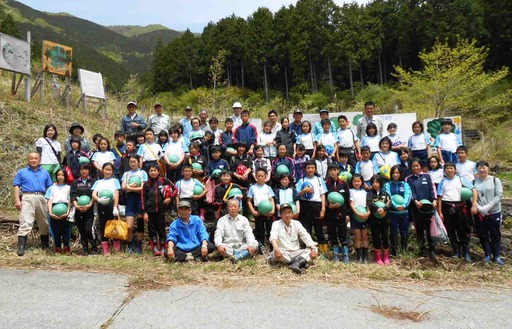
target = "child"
x: 186, y: 187
x: 282, y: 159
x: 343, y: 163
x: 150, y: 152
x: 451, y: 210
x: 118, y: 150
x: 257, y: 193
x: 163, y: 138
x: 50, y: 150
x: 58, y: 193
x: 405, y: 162
x: 307, y: 139
x: 77, y: 130
x: 157, y: 194
x: 312, y: 191
x: 217, y: 162
x: 107, y: 209
x: 141, y: 139
x: 226, y: 137
x: 196, y: 128
x: 447, y: 142
x: 398, y: 212
x: 337, y: 215
x: 322, y: 161
x: 436, y: 171
x: 175, y: 148
x: 214, y: 124
x: 196, y: 157
x: 221, y: 194
x: 300, y: 160
x: 372, y: 139
x: 206, y: 144
x: 327, y: 139
x: 286, y: 136
x: 84, y: 215
x: 378, y: 219
x: 419, y: 144
x: 241, y: 165
x: 385, y: 157
x: 359, y: 226
x: 103, y: 155
x: 72, y: 158
x: 422, y: 188
x: 465, y: 168
x: 134, y: 203
x: 246, y: 132
x: 365, y: 167
x: 285, y: 193
x: 347, y: 141
x: 396, y: 143
x: 261, y: 162
x: 125, y: 161
x: 267, y: 140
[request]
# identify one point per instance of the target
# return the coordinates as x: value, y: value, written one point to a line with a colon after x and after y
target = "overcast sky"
x: 175, y: 14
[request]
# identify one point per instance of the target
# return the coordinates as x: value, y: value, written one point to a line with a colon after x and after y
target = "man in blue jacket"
x: 246, y: 132
x: 187, y: 238
x: 132, y: 123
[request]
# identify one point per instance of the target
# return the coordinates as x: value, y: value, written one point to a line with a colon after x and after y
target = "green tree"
x: 453, y: 80
x: 282, y: 27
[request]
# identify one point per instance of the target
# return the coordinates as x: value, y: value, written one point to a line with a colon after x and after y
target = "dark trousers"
x: 449, y: 156
x: 104, y: 214
x: 156, y: 226
x: 181, y: 255
x: 336, y: 227
x: 352, y: 160
x: 399, y: 223
x: 60, y: 229
x: 456, y: 224
x: 84, y: 221
x: 488, y: 229
x: 310, y: 218
x: 380, y: 232
x: 174, y: 175
x: 422, y: 225
x: 262, y: 228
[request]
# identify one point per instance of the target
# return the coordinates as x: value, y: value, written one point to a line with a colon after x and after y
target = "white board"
x: 404, y: 121
x: 457, y: 123
x: 14, y: 54
x: 91, y: 84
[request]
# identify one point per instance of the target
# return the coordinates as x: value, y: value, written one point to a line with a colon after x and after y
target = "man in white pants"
x: 233, y: 236
x: 284, y: 238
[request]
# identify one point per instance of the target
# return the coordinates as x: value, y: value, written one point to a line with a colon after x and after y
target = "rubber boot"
x: 336, y: 252
x: 22, y: 244
x: 154, y: 248
x: 323, y: 250
x: 85, y: 247
x: 467, y: 255
x: 131, y: 247
x: 456, y: 252
x: 378, y: 257
x: 104, y: 245
x: 117, y: 245
x: 202, y: 213
x: 487, y: 251
x: 58, y: 250
x: 386, y: 257
x: 45, y: 241
x: 359, y: 253
x: 67, y: 250
x: 94, y: 247
x: 496, y: 252
x: 244, y: 254
x: 298, y: 265
x: 404, y: 246
x: 345, y: 254
x: 139, y: 246
x: 365, y: 255
x: 162, y: 249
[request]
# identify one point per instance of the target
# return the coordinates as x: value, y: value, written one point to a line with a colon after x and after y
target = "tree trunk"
x: 242, y: 72
x: 190, y: 79
x: 385, y: 72
x: 330, y: 77
x: 311, y: 74
x: 286, y: 81
x: 381, y: 79
x: 361, y: 75
x: 265, y: 80
x: 314, y: 78
x: 227, y: 74
x: 351, y: 78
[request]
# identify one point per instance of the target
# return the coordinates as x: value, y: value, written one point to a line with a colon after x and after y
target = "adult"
x: 159, y: 121
x: 50, y: 150
x: 234, y: 237
x: 489, y: 218
x: 369, y: 108
x: 30, y: 185
x: 203, y: 120
x: 133, y: 123
x: 285, y: 237
x: 187, y: 238
x: 77, y: 130
x: 296, y: 125
x: 318, y: 129
x: 186, y: 121
x: 246, y: 132
x: 237, y: 116
x: 273, y: 118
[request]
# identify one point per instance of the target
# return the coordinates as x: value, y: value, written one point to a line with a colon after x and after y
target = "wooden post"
x: 41, y: 86
x: 27, y: 79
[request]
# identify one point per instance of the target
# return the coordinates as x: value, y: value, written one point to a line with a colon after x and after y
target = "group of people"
x: 291, y: 180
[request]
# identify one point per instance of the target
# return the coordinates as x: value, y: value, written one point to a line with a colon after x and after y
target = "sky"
x: 174, y: 14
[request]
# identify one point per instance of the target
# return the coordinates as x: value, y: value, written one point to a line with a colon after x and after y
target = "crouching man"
x: 233, y: 236
x: 284, y: 238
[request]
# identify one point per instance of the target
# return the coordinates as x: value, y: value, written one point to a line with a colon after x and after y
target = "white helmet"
x: 237, y: 104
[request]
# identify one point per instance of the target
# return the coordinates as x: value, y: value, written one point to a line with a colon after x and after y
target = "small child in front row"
x: 222, y: 191
x: 285, y: 193
x: 359, y: 220
x: 186, y: 187
x: 365, y: 167
x: 322, y: 160
x: 300, y: 159
x: 157, y: 194
x: 378, y: 219
x: 58, y: 193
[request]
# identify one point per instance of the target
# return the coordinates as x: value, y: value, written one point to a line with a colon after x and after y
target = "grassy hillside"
x: 134, y: 30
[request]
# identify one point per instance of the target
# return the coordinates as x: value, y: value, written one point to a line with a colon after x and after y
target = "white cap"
x: 237, y: 104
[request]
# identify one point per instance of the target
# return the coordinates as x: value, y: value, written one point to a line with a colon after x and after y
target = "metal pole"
x: 27, y: 79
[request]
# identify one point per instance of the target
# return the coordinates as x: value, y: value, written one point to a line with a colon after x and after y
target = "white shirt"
x: 418, y: 142
x: 232, y: 231
x: 186, y: 187
x: 150, y: 152
x: 287, y: 236
x: 175, y: 148
x: 47, y: 154
x: 216, y: 135
x: 308, y: 140
x: 372, y: 142
x: 326, y: 139
x: 358, y: 197
x: 450, y: 189
x: 103, y: 157
x: 159, y: 123
x: 466, y: 169
x: 395, y: 140
x: 276, y: 128
x: 318, y: 187
x: 110, y: 184
x: 263, y: 139
x: 139, y: 172
x: 381, y: 159
x: 346, y: 138
x: 58, y: 193
x: 436, y: 175
x: 365, y: 169
x: 448, y: 142
x: 260, y: 193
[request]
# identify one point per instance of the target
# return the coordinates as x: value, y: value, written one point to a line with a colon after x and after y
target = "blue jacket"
x: 246, y: 133
x: 126, y: 124
x: 187, y: 237
x: 401, y: 188
x: 421, y: 187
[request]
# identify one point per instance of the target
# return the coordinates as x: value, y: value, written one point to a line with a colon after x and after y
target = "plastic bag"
x: 437, y: 229
x: 116, y: 229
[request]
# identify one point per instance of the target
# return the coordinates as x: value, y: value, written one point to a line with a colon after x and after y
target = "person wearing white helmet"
x: 237, y: 118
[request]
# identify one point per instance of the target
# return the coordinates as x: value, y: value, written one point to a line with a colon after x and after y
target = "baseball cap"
x: 188, y: 108
x: 286, y: 205
x: 237, y: 104
x: 324, y: 110
x: 131, y: 103
x: 184, y: 203
x: 157, y: 104
x: 298, y: 111
x: 447, y: 121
